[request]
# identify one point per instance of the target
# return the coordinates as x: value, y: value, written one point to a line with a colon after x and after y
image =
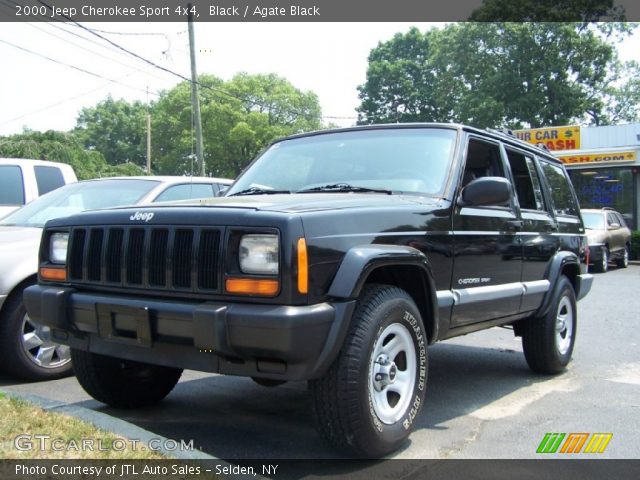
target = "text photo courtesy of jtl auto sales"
x: 301, y: 239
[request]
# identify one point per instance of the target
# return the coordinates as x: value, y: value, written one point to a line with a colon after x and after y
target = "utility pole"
x: 148, y: 143
x: 148, y: 135
x: 195, y: 99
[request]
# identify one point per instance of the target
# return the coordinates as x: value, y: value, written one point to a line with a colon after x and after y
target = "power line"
x: 131, y: 33
x: 80, y: 69
x: 90, y: 50
x: 139, y: 57
x: 167, y: 70
x: 61, y: 102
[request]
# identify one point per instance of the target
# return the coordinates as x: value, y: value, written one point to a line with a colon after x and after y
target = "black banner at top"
x: 319, y: 10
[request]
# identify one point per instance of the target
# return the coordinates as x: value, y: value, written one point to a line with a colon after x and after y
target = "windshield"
x: 408, y: 160
x: 77, y: 197
x: 593, y: 221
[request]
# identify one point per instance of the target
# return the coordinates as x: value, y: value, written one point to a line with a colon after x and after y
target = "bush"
x: 635, y: 245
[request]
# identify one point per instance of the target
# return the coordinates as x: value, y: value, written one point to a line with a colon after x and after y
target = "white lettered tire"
x: 369, y: 400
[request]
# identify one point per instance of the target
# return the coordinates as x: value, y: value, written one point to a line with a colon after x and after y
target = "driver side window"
x: 483, y: 160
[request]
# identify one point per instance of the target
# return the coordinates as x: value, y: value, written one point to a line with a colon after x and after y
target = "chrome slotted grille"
x: 152, y: 258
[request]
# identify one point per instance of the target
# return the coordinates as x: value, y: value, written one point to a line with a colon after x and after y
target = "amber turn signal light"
x: 250, y: 286
x: 303, y: 267
x: 54, y: 274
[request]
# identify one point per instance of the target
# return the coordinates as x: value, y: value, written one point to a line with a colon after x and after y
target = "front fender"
x: 361, y: 261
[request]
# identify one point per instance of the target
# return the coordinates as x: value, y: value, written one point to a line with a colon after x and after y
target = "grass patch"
x: 64, y: 434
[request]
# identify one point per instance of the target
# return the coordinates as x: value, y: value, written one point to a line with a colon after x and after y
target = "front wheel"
x: 603, y: 265
x: 26, y: 348
x: 548, y: 341
x: 123, y: 383
x: 368, y: 401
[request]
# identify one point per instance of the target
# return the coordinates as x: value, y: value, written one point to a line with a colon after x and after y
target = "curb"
x: 110, y: 424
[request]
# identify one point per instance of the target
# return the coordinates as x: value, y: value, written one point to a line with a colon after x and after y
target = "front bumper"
x: 270, y: 341
x: 583, y: 285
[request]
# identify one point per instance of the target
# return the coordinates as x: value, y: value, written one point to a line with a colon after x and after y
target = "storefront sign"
x: 598, y: 157
x: 555, y: 138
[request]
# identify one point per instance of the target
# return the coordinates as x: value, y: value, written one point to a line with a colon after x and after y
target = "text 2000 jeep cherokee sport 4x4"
x: 337, y: 257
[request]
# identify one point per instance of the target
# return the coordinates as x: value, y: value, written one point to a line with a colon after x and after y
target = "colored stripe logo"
x: 574, y: 442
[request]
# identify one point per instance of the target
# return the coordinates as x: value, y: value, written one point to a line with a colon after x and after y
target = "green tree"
x: 62, y: 147
x: 494, y: 74
x: 239, y: 118
x: 115, y: 128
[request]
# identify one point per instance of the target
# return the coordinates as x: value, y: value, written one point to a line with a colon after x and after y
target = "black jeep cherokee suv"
x: 337, y: 257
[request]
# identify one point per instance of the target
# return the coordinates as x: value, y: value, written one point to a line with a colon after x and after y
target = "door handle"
x: 513, y: 225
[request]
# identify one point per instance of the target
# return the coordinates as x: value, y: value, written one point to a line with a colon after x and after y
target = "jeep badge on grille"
x: 146, y: 216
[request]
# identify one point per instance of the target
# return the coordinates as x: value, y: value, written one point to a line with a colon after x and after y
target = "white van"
x: 23, y: 180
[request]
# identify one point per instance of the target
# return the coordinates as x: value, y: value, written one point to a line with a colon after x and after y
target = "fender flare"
x: 558, y: 263
x: 360, y: 261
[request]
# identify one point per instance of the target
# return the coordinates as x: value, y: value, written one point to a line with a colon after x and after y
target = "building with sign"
x: 603, y: 163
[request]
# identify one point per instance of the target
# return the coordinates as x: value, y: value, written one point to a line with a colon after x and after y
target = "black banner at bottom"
x: 564, y: 469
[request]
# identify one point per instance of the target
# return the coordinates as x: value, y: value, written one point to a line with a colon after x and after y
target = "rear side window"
x: 48, y: 178
x: 621, y: 220
x: 11, y: 185
x: 561, y: 193
x: 612, y: 218
x: 527, y: 183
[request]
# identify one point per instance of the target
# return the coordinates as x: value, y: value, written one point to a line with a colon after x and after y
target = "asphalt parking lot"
x: 482, y: 400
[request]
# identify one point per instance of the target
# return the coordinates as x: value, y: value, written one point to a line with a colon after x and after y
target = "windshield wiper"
x: 343, y: 187
x: 258, y: 191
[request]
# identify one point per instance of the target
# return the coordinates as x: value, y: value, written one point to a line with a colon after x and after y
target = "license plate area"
x: 124, y: 324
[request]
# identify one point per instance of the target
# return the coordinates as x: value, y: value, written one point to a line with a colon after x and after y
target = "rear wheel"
x: 368, y: 401
x: 123, y: 383
x: 548, y: 341
x: 623, y: 261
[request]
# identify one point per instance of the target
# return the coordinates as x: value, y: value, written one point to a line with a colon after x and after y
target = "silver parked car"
x: 609, y: 238
x: 26, y: 349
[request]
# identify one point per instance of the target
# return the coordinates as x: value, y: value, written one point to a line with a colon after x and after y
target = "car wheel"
x: 26, y: 349
x: 623, y: 262
x: 123, y: 383
x: 603, y: 265
x: 548, y: 341
x: 367, y: 402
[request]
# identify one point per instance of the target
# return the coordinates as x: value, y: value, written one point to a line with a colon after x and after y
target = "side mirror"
x: 486, y: 191
x: 222, y: 191
x: 614, y: 226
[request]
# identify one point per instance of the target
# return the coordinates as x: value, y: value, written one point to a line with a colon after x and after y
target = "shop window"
x: 606, y: 187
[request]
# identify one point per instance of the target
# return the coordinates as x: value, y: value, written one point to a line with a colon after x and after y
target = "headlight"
x: 259, y: 254
x: 58, y: 243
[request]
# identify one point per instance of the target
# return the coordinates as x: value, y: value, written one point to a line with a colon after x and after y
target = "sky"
x: 329, y: 59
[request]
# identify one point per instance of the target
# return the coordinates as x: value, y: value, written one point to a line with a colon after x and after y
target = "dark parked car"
x: 609, y: 238
x: 338, y: 257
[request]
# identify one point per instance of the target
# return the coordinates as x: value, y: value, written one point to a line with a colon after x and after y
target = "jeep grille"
x: 152, y: 258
